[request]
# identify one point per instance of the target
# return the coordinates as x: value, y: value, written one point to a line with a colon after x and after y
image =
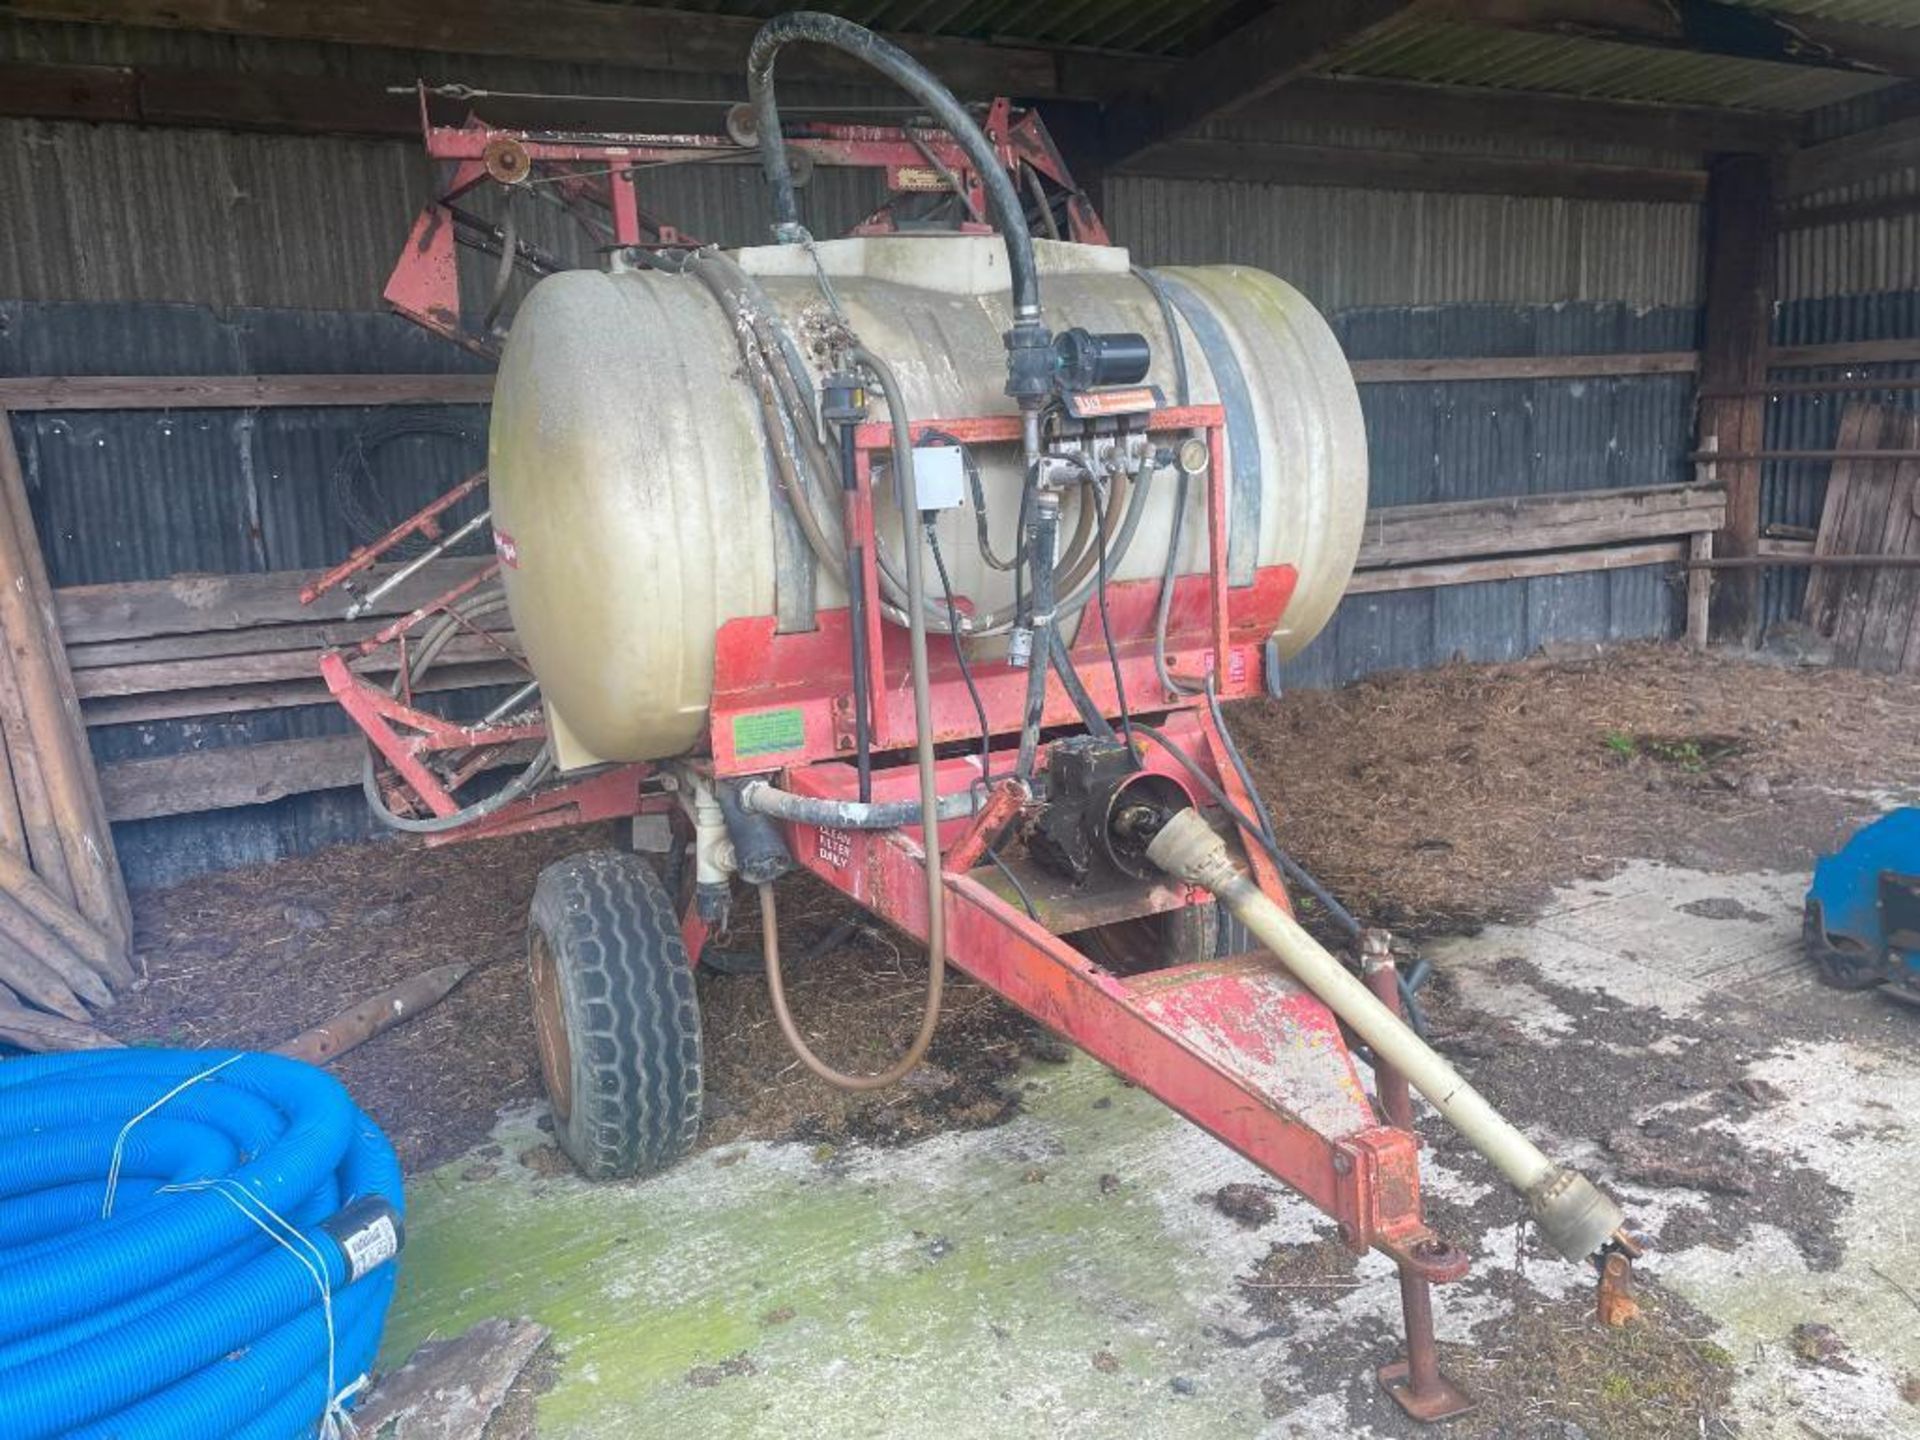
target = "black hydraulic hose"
x: 1090, y: 715
x: 1260, y: 811
x: 960, y: 653
x: 765, y: 798
x: 890, y: 60
x: 857, y: 623
x: 1296, y: 872
x: 1043, y: 527
x: 1106, y: 622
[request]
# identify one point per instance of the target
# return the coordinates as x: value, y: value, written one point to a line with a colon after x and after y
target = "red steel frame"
x: 1366, y: 1176
x: 1233, y: 1044
x: 599, y: 174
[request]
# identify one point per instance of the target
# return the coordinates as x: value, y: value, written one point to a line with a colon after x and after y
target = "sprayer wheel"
x: 615, y: 1015
x: 1150, y: 942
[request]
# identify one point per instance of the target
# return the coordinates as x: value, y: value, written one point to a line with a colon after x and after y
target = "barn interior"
x: 354, y: 651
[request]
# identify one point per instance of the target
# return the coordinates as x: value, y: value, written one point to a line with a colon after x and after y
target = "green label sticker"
x: 768, y: 732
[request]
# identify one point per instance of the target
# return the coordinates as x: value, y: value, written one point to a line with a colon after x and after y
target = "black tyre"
x: 615, y: 1015
x: 1840, y: 964
x: 1151, y: 942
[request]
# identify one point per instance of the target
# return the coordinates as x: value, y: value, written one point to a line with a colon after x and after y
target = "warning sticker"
x: 835, y: 847
x: 769, y: 732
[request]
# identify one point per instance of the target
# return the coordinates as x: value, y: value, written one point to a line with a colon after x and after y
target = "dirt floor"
x: 1437, y: 803
x: 1429, y: 802
x: 1442, y: 800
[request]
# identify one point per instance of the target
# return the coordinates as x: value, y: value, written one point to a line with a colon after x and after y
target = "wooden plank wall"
x: 223, y: 644
x: 206, y: 645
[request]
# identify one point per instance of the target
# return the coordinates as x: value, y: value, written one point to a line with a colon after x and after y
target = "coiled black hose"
x: 812, y: 27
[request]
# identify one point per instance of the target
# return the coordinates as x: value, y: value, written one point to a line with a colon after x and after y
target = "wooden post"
x: 1699, y: 588
x: 1740, y: 290
x: 44, y: 686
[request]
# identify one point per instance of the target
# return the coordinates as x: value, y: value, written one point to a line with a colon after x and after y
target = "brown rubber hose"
x: 929, y: 791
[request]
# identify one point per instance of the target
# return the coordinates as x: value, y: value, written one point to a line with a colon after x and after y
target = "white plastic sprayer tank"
x: 630, y: 475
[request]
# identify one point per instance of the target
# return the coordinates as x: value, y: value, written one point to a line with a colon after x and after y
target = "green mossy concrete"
x: 960, y: 1287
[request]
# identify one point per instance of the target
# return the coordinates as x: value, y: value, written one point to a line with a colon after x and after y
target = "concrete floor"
x: 1060, y: 1276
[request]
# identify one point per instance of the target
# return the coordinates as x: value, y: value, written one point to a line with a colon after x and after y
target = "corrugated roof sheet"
x: 1895, y: 14
x: 1441, y: 53
x: 1155, y: 27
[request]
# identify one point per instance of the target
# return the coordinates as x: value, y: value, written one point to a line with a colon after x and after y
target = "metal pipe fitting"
x: 1576, y: 1217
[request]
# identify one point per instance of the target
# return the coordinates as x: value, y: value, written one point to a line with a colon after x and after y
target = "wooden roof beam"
x: 629, y: 35
x: 1536, y: 115
x: 1287, y: 40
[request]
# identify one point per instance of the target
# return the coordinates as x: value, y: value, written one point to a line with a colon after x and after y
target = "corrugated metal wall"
x: 141, y: 495
x: 1444, y: 275
x: 120, y: 213
x: 1858, y: 280
x: 166, y: 250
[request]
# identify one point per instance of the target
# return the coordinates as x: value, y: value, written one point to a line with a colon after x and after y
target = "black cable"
x: 1342, y: 916
x: 1026, y: 900
x: 1287, y: 865
x: 357, y: 493
x: 959, y: 652
x: 979, y: 492
x: 1106, y: 625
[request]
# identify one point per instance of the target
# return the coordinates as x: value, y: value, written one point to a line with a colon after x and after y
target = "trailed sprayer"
x: 920, y: 559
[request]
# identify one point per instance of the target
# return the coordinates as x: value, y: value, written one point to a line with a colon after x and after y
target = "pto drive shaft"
x: 1575, y: 1217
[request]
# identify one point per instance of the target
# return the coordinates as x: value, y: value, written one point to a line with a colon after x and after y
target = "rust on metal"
x: 1416, y: 1383
x: 374, y: 1016
x: 550, y: 1028
x: 1002, y: 807
x: 506, y: 160
x: 1614, y: 1300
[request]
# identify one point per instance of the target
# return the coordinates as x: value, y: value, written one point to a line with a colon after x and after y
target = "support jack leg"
x: 1415, y: 1383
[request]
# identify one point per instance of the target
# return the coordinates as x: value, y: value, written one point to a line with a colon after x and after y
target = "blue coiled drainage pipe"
x: 178, y: 1314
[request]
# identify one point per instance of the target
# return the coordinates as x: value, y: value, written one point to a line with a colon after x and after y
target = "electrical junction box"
x: 940, y: 476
